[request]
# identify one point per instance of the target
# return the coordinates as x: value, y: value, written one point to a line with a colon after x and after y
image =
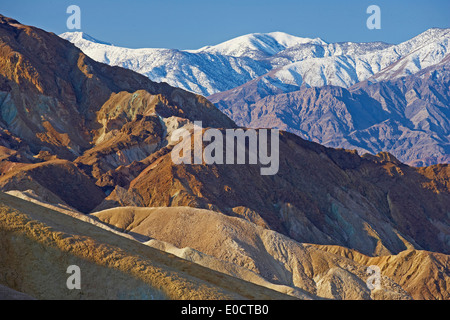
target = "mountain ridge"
x: 262, y: 47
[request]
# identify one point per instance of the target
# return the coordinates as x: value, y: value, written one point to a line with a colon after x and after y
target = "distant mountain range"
x: 406, y: 113
x: 285, y: 59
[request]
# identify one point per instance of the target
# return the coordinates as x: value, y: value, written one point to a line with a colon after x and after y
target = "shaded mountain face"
x: 88, y: 136
x: 408, y: 117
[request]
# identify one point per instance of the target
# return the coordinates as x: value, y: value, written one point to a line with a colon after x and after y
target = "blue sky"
x: 191, y: 24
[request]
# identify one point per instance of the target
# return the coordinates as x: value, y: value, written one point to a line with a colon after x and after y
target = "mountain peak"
x: 78, y: 35
x: 290, y: 40
x: 258, y: 44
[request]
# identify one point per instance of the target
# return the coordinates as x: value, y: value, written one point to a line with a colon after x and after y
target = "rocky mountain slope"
x: 408, y: 117
x: 83, y: 136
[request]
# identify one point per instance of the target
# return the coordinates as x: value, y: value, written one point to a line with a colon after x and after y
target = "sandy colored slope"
x: 423, y: 274
x: 221, y: 242
x: 38, y: 244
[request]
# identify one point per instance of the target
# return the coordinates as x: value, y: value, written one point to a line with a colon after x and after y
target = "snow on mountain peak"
x: 290, y: 41
x: 78, y: 36
x: 256, y: 45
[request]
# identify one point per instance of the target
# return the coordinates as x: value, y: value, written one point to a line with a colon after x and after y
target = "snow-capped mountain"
x: 286, y: 59
x: 200, y: 72
x: 347, y: 69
